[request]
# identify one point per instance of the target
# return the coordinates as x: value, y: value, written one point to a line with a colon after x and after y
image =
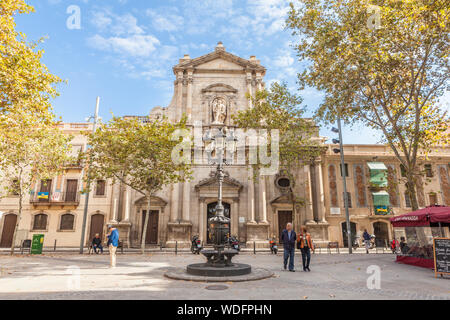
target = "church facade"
x: 208, y: 90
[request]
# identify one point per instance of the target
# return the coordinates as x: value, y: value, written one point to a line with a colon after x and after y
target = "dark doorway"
x: 151, y: 237
x: 344, y: 232
x: 71, y: 190
x: 9, y: 224
x: 211, y: 213
x: 283, y: 218
x: 380, y: 230
x: 97, y: 221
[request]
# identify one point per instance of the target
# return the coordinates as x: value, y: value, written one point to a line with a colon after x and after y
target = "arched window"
x: 40, y: 222
x: 67, y: 221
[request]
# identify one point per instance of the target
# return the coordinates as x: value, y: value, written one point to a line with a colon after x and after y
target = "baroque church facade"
x: 208, y: 90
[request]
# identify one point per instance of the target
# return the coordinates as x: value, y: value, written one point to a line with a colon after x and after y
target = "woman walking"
x: 305, y: 245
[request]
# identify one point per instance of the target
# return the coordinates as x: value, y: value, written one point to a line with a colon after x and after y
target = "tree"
x: 24, y: 80
x: 137, y: 154
x: 31, y: 151
x: 384, y: 63
x: 279, y: 109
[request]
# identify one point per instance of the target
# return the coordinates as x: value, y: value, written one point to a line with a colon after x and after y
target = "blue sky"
x: 125, y: 50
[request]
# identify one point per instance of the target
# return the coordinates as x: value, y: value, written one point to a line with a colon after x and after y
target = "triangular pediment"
x: 219, y: 60
x: 212, y: 182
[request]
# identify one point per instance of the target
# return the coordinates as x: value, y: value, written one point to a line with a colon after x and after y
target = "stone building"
x: 208, y: 90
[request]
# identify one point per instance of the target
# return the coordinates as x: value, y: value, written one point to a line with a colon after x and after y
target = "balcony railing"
x: 55, y: 198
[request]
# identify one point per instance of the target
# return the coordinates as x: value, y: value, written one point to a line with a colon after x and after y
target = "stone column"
x: 262, y: 199
x: 127, y: 205
x: 175, y: 202
x: 251, y: 197
x: 186, y: 201
x: 249, y: 88
x: 309, y: 206
x: 190, y: 80
x: 115, y: 210
x: 202, y: 219
x: 259, y: 81
x: 179, y: 83
x: 235, y: 217
x: 321, y: 194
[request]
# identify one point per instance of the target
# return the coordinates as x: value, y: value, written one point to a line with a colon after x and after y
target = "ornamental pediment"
x: 211, y: 182
x: 220, y: 60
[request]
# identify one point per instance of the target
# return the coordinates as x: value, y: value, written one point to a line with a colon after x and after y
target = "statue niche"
x: 219, y: 110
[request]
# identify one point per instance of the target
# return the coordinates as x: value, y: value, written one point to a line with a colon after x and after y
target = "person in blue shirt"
x: 113, y: 243
x: 288, y: 238
x: 366, y: 237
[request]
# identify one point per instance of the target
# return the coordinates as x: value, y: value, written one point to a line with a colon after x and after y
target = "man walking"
x: 113, y: 243
x: 305, y: 244
x: 288, y: 237
x: 366, y: 237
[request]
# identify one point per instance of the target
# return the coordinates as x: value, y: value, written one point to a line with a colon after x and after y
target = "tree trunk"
x: 412, y: 192
x: 19, y: 215
x: 144, y: 229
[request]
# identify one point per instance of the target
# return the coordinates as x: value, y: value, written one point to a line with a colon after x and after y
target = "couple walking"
x: 289, y: 238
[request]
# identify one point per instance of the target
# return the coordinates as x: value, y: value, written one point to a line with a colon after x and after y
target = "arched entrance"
x: 211, y: 212
x: 344, y: 232
x: 9, y: 224
x: 380, y: 229
x: 97, y: 221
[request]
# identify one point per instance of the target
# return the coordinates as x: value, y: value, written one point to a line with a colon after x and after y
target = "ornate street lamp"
x: 219, y: 260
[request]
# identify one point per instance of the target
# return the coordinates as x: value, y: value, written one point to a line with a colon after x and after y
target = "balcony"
x: 55, y: 199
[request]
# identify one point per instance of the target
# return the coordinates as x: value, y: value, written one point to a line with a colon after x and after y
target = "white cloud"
x: 135, y: 45
x: 165, y: 19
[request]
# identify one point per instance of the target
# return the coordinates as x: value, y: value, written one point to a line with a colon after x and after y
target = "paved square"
x: 336, y: 276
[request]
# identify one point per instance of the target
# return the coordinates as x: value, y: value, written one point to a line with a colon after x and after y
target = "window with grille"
x: 346, y: 169
x: 349, y: 199
x: 101, y: 188
x: 433, y: 199
x: 40, y: 222
x: 428, y: 171
x: 67, y: 220
x: 407, y: 200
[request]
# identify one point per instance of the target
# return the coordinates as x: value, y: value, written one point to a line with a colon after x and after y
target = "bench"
x: 26, y: 244
x: 91, y: 248
x: 333, y: 245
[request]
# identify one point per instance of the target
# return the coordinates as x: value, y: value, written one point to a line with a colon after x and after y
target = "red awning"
x: 422, y: 217
x: 442, y: 216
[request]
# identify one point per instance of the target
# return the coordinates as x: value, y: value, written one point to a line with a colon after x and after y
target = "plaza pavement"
x: 333, y: 276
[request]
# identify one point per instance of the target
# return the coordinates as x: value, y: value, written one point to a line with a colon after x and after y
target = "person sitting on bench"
x: 97, y: 243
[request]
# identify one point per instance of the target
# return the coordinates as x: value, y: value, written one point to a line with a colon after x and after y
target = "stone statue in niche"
x: 219, y: 111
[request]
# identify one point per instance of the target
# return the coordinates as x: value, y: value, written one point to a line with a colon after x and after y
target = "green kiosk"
x: 37, y: 244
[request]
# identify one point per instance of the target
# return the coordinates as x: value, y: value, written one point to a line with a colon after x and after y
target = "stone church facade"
x: 208, y: 90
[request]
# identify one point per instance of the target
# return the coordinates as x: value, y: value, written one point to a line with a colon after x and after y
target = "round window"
x: 284, y: 182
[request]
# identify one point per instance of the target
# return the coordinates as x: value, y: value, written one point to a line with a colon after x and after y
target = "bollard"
x: 160, y: 246
x: 254, y: 247
x: 176, y: 247
x: 54, y: 247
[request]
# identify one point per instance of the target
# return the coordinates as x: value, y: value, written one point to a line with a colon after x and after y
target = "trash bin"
x: 37, y: 244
